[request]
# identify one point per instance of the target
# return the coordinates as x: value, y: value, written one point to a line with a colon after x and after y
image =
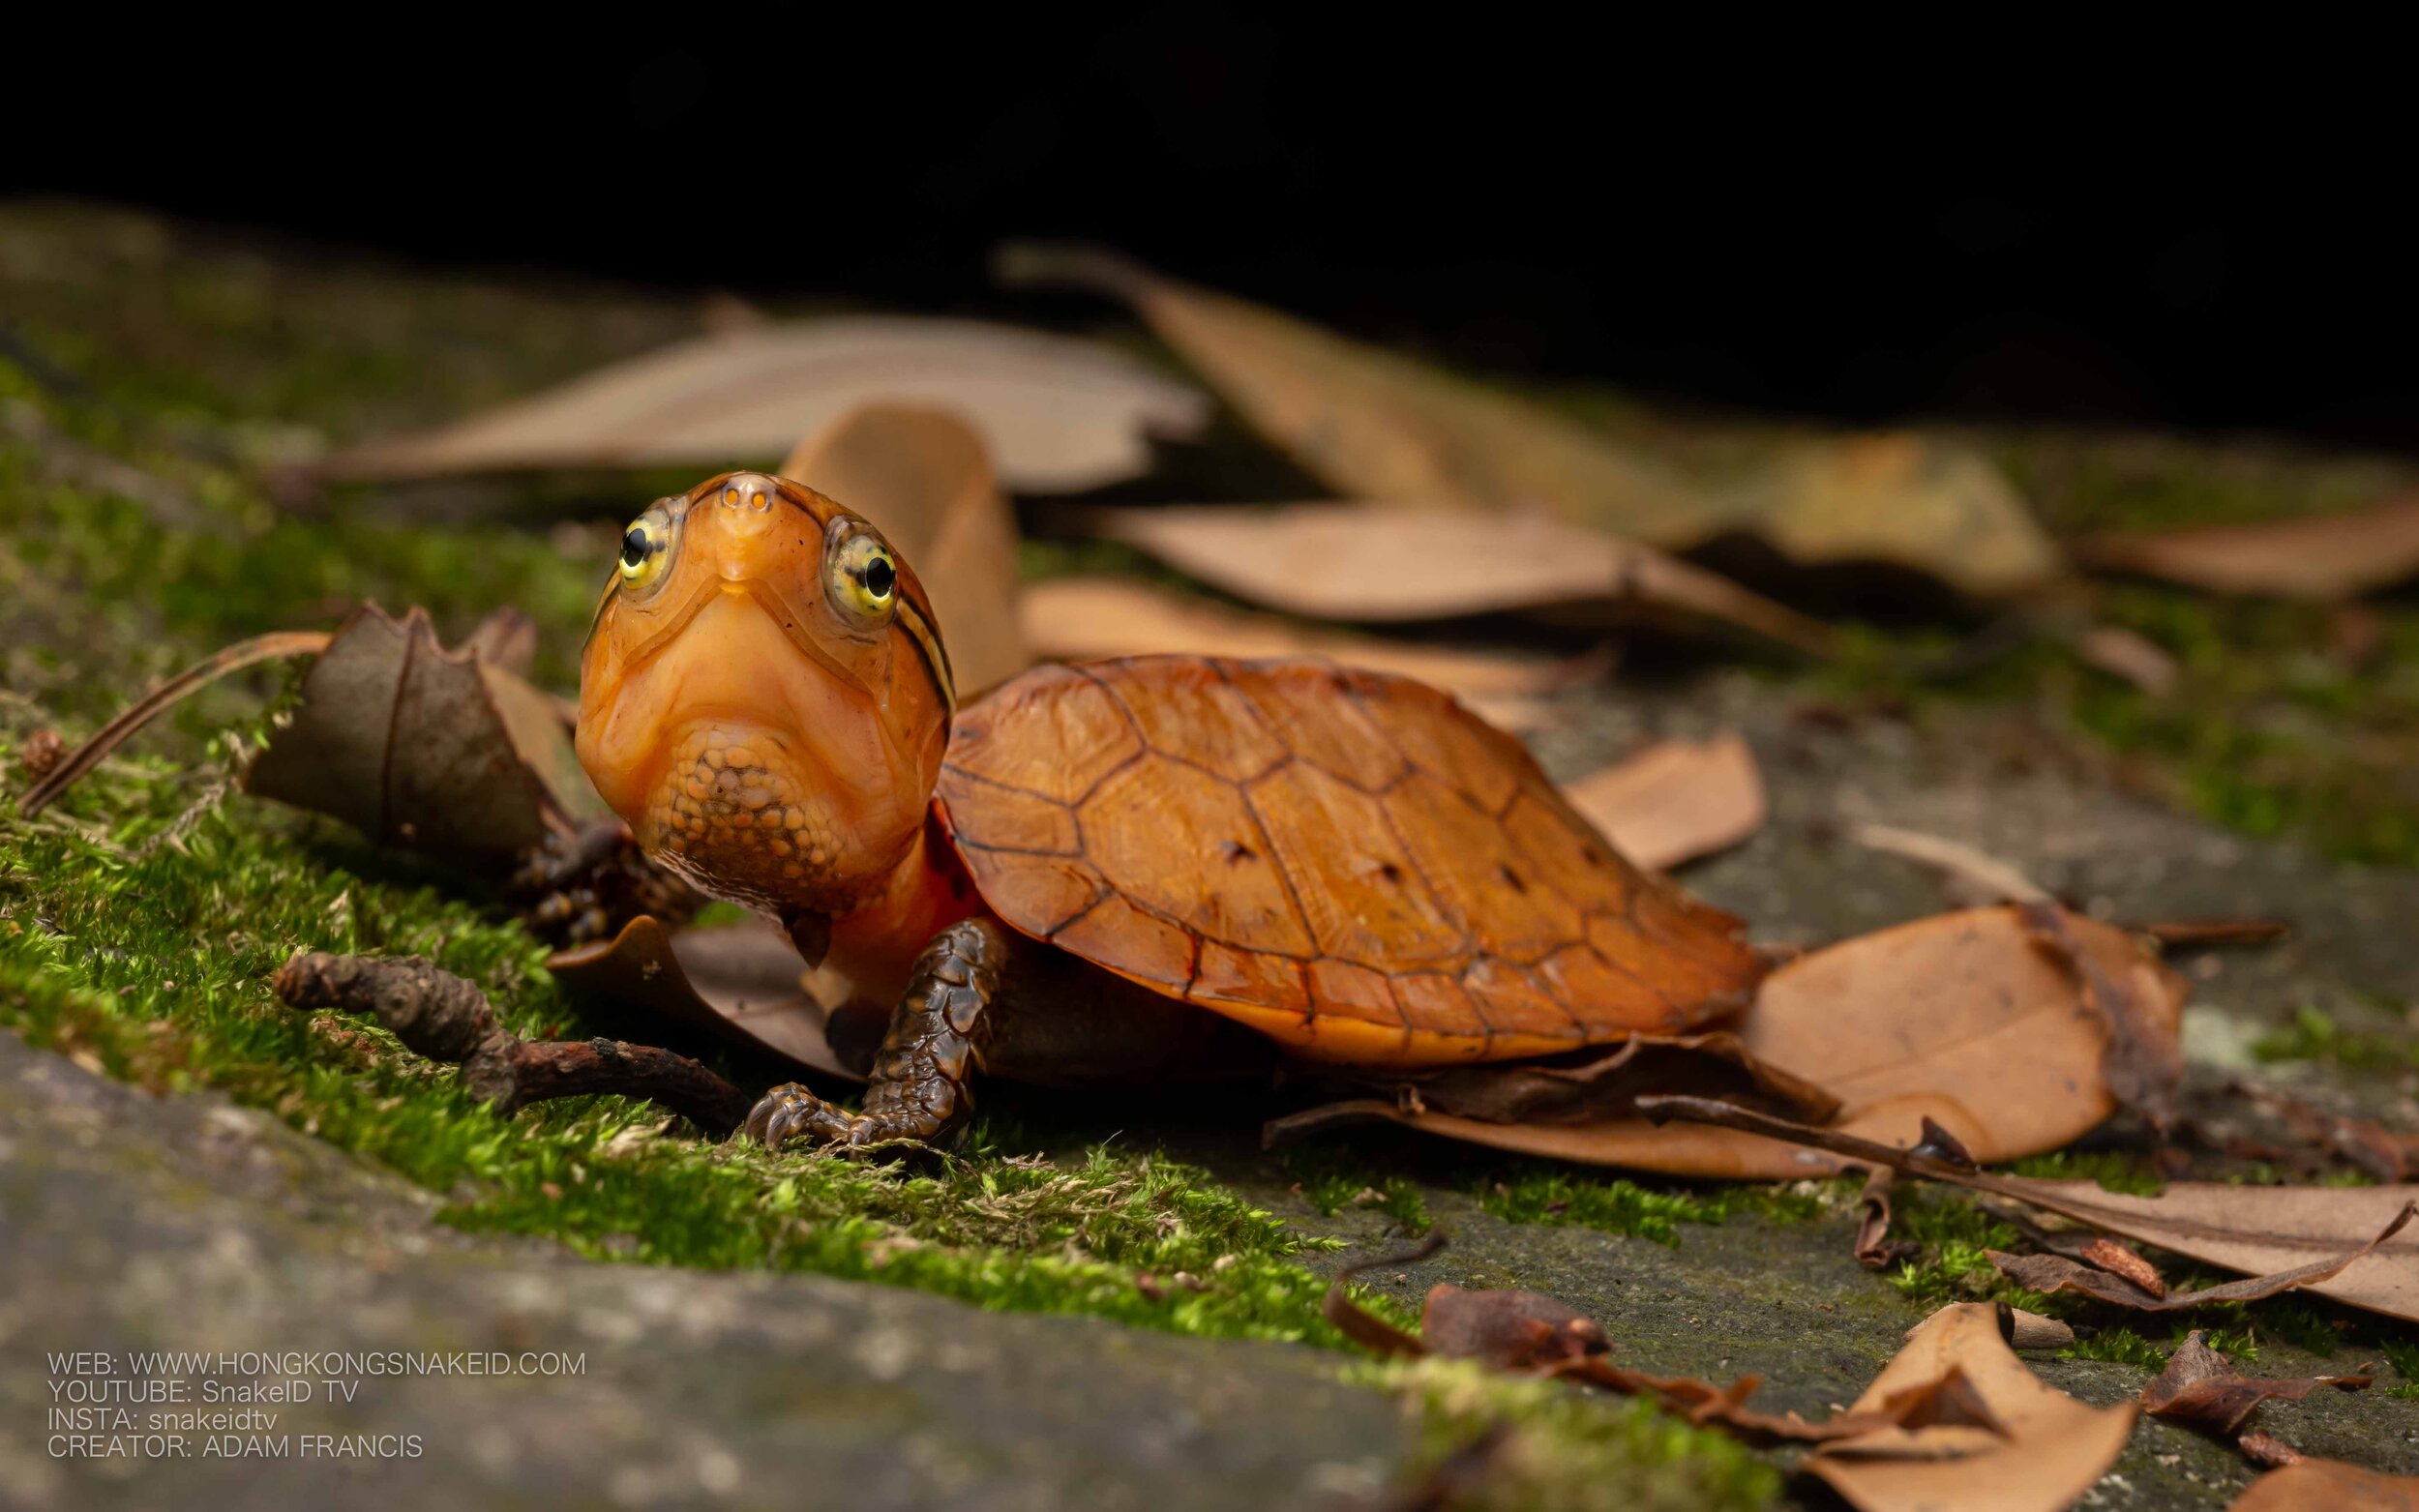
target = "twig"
x: 444, y: 1017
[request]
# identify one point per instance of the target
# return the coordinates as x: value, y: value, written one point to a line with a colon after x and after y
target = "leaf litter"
x: 1057, y: 415
x: 1375, y: 425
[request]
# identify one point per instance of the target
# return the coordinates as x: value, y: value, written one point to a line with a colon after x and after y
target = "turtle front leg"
x: 921, y: 1082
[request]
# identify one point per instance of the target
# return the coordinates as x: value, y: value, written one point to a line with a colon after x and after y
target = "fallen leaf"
x: 2267, y: 1449
x: 2025, y: 1330
x: 1875, y: 1249
x: 2047, y: 1451
x: 417, y: 746
x: 2310, y: 1485
x: 1084, y: 619
x: 1961, y: 1019
x: 924, y: 477
x: 2118, y: 1259
x: 1375, y: 425
x: 1055, y: 415
x: 1375, y: 564
x: 2318, y: 557
x: 1507, y: 1329
x: 2200, y: 1388
x: 2057, y: 1273
x: 2261, y: 1231
x: 2134, y: 658
x: 1581, y: 1088
x: 744, y: 982
x: 1675, y: 801
x: 2144, y: 1066
x: 1982, y: 877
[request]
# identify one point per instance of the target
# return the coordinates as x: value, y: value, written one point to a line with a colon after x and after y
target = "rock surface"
x: 129, y: 1223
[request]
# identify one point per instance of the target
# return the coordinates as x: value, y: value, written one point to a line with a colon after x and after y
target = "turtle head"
x: 763, y: 695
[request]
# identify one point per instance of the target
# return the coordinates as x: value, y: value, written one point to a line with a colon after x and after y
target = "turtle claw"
x: 790, y: 1110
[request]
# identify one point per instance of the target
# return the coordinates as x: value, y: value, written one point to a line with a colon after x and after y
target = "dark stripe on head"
x: 928, y: 645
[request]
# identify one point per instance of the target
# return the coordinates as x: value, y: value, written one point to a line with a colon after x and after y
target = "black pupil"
x: 880, y: 577
x: 634, y: 547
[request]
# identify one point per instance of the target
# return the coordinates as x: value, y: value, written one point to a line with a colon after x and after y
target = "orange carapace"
x: 1154, y: 866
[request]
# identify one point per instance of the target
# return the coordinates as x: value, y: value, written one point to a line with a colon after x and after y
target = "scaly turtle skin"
x: 1101, y: 871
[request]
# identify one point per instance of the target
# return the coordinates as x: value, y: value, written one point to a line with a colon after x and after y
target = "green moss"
x: 2314, y: 1035
x: 2403, y: 1355
x: 1540, y: 1193
x: 152, y: 964
x: 2147, y: 1345
x: 1568, y: 1449
x: 1332, y: 1179
x: 2131, y: 1171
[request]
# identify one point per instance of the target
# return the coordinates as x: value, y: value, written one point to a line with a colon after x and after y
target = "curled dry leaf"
x: 1373, y: 563
x: 418, y: 746
x: 1676, y: 800
x: 2315, y: 557
x: 1057, y: 415
x: 2058, y: 1273
x: 744, y: 982
x: 1082, y: 619
x: 924, y: 477
x: 2308, y: 1485
x: 2328, y: 1240
x: 2044, y: 1450
x: 2268, y: 1450
x: 1960, y: 1019
x: 2200, y: 1388
x: 2025, y: 1330
x: 1875, y: 1249
x: 1374, y: 425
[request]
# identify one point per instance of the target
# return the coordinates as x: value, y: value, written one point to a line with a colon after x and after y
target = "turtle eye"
x: 862, y: 579
x: 645, y: 552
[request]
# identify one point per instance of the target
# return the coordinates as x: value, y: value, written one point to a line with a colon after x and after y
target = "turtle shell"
x: 1351, y: 863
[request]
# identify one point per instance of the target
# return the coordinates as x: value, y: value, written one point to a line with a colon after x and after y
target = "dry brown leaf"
x: 2309, y: 1485
x: 2260, y: 1231
x: 1057, y: 415
x: 1961, y: 1019
x: 1979, y: 876
x: 1582, y: 1088
x: 1081, y: 619
x: 2050, y: 1450
x: 418, y: 746
x: 2202, y: 1389
x: 1373, y: 563
x: 1875, y: 1249
x: 1372, y: 424
x: 923, y: 478
x: 2057, y: 1273
x: 744, y: 982
x: 2316, y: 557
x: 1675, y: 801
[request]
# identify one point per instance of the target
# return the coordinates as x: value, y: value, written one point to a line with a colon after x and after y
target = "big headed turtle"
x: 1116, y: 869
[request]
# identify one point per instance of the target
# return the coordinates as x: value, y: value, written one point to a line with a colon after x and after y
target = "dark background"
x: 1856, y: 227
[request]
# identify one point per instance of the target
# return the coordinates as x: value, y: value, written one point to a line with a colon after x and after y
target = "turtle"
x: 1158, y: 866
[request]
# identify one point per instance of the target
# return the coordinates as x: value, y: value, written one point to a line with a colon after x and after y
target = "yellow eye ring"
x: 645, y: 551
x: 863, y: 577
